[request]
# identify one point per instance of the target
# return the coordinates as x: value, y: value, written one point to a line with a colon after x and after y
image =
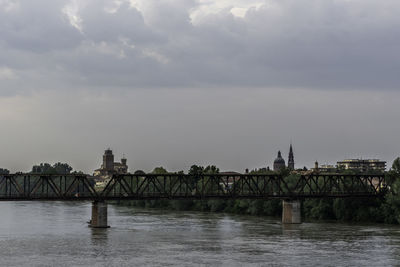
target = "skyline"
x: 175, y: 83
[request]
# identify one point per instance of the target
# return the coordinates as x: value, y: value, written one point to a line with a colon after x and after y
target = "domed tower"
x: 279, y: 162
x: 291, y: 158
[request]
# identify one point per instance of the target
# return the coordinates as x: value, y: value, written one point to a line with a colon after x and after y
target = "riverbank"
x: 345, y: 210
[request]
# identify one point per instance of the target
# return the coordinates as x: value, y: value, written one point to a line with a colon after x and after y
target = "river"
x: 56, y: 234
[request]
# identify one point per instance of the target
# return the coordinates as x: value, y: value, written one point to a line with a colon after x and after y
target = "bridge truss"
x: 184, y: 186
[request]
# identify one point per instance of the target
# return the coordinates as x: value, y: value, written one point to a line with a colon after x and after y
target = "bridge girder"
x: 184, y: 186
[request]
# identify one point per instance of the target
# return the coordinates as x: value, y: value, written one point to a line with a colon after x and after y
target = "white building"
x: 362, y: 164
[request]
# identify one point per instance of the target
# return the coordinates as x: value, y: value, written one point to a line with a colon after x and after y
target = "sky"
x: 174, y: 83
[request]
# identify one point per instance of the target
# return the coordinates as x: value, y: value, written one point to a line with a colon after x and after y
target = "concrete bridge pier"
x: 291, y: 211
x: 99, y: 215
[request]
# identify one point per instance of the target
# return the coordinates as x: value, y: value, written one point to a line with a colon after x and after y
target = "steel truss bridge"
x: 184, y: 186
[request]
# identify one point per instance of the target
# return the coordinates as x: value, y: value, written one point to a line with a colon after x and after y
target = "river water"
x: 56, y: 234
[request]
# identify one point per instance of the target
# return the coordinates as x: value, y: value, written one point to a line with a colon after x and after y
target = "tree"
x: 393, y: 176
x: 139, y: 172
x: 396, y: 167
x: 159, y: 170
x: 284, y: 171
x: 62, y: 168
x: 4, y: 171
x: 196, y: 171
x: 391, y: 206
x: 211, y: 169
x: 43, y: 168
x: 46, y: 168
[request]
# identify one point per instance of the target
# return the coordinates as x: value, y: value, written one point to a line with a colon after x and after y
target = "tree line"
x: 47, y: 168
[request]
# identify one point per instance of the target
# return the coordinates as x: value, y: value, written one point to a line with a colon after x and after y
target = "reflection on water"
x: 56, y: 233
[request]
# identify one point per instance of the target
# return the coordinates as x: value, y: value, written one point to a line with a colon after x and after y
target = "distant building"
x: 324, y: 168
x: 362, y: 164
x: 279, y: 162
x: 109, y: 167
x: 328, y: 168
x: 291, y: 158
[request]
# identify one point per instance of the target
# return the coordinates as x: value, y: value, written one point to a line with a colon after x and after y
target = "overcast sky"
x: 179, y: 82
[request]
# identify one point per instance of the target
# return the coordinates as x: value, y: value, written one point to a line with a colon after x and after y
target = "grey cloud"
x: 99, y: 25
x: 317, y: 44
x: 38, y: 27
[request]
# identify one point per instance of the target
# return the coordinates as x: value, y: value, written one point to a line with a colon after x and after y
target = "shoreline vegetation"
x: 375, y: 210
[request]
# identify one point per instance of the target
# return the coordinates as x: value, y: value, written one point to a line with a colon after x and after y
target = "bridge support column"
x: 291, y: 211
x: 99, y: 215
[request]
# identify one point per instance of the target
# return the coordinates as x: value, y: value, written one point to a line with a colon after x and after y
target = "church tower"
x: 108, y: 160
x: 291, y: 158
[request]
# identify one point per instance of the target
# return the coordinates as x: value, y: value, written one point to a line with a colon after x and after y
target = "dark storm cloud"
x: 317, y: 44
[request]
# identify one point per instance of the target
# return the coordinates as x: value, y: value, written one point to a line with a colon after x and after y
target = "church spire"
x: 291, y: 158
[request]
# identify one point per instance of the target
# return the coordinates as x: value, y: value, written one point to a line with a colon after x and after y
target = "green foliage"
x: 46, y: 168
x: 318, y: 209
x: 211, y: 169
x: 284, y: 172
x: 358, y: 210
x: 256, y: 207
x: 272, y: 207
x: 159, y: 170
x: 391, y: 207
x: 139, y: 172
x: 4, y: 171
x: 197, y: 171
x: 216, y: 205
x: 62, y: 168
x: 291, y: 179
x: 396, y: 166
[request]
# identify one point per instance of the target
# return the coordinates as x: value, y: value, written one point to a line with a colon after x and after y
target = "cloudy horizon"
x: 179, y: 82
